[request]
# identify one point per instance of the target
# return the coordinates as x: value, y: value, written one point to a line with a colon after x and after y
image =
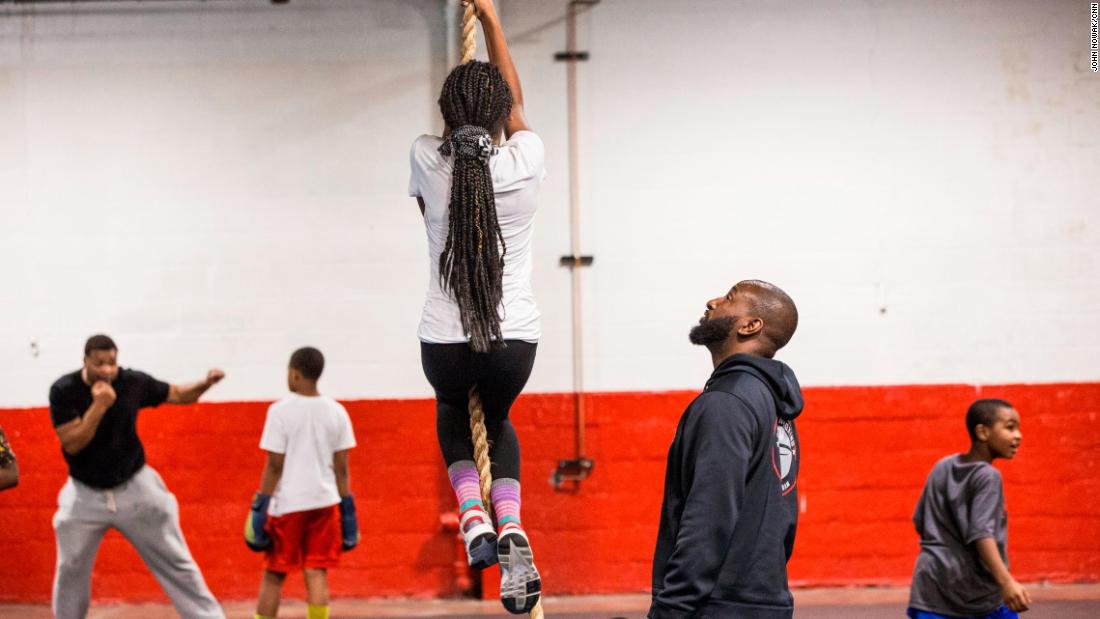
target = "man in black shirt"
x: 94, y: 412
x: 730, y: 503
x: 9, y: 466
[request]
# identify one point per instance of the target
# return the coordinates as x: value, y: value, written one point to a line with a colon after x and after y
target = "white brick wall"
x: 220, y: 183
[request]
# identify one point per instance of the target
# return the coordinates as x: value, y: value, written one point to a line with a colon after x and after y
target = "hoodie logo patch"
x: 785, y: 456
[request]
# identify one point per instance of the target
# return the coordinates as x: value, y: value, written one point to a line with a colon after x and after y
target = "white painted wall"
x: 219, y: 183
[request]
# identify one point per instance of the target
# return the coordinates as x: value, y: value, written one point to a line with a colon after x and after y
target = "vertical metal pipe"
x: 575, y: 227
x: 453, y: 29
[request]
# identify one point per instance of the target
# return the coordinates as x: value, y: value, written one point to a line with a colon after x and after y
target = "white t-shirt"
x: 308, y: 430
x: 517, y: 169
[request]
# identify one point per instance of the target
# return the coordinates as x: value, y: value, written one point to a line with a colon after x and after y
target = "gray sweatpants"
x: 147, y: 514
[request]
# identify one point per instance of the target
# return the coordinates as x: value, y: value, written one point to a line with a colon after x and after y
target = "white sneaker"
x: 520, y: 585
x: 480, y: 538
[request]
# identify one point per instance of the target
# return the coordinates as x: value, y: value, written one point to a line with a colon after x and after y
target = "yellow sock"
x: 317, y: 612
x: 259, y: 616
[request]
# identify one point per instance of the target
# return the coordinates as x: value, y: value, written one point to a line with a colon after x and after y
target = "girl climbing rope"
x: 480, y: 326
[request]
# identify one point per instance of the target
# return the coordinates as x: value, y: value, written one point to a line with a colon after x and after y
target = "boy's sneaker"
x: 520, y: 585
x: 480, y: 538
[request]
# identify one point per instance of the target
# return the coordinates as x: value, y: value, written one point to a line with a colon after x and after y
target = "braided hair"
x: 475, y: 102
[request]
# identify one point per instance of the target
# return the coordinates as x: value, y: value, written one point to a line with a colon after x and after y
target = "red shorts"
x: 309, y: 539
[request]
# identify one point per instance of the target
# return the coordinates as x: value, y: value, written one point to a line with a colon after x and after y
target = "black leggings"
x: 452, y: 369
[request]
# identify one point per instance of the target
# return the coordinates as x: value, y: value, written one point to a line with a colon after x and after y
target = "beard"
x: 712, y: 331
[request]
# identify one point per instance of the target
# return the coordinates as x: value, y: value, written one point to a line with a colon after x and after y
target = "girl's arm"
x: 499, y: 55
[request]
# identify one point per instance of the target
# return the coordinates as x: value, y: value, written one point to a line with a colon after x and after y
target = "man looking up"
x: 730, y: 506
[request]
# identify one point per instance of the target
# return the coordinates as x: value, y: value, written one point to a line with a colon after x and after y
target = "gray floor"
x: 1040, y: 610
x: 1079, y: 601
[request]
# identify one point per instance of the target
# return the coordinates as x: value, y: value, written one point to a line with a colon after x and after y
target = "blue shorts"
x: 1001, y: 613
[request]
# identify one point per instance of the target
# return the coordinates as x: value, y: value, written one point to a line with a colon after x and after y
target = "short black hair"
x: 983, y: 412
x: 99, y: 342
x: 309, y: 361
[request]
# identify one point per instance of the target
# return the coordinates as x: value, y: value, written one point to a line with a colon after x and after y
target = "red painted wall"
x: 865, y: 454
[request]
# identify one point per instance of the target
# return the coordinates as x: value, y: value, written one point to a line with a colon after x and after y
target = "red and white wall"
x: 217, y: 184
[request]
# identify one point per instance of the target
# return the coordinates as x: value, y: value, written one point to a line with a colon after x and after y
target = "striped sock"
x: 316, y: 611
x: 464, y: 480
x: 505, y: 497
x: 478, y: 533
x: 520, y: 584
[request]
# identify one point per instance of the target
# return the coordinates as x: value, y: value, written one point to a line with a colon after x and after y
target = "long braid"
x: 475, y: 100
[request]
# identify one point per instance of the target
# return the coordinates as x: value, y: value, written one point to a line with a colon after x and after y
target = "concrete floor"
x: 1051, y: 602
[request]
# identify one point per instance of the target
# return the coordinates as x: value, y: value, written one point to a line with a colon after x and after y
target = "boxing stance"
x: 94, y: 412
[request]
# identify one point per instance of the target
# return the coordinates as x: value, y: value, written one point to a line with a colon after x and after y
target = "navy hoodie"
x: 730, y: 506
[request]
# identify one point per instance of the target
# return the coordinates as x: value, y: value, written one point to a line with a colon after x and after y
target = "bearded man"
x: 730, y: 505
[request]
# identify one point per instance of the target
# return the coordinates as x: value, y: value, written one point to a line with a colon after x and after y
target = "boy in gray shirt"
x: 962, y: 569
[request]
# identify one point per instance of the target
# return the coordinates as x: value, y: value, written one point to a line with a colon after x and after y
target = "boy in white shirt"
x: 304, y: 514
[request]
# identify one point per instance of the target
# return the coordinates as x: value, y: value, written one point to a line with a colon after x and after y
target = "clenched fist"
x: 103, y: 394
x: 214, y: 376
x: 481, y: 7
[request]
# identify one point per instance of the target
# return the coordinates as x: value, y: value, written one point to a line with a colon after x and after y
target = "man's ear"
x: 751, y: 326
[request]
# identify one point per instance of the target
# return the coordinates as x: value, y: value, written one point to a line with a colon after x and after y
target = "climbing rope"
x: 481, y: 447
x: 469, y: 42
x: 477, y: 411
